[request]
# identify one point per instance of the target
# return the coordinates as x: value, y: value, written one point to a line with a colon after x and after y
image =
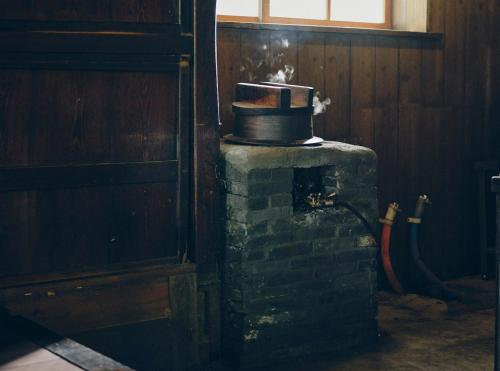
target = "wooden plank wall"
x: 420, y: 103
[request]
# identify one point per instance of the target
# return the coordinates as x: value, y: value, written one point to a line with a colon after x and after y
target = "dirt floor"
x: 420, y: 333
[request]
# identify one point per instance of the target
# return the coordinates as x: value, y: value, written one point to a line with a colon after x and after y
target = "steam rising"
x: 273, y: 58
x: 282, y: 76
x: 319, y: 105
x: 269, y: 58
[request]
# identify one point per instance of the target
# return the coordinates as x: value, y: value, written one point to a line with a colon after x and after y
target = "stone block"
x: 275, y: 239
x: 233, y: 174
x: 244, y: 202
x: 238, y: 233
x: 289, y: 251
x: 281, y: 199
x: 280, y: 225
x: 333, y: 245
x: 296, y: 282
x: 357, y: 280
x: 259, y: 175
x: 313, y: 233
x: 245, y: 215
x: 367, y: 174
x: 312, y: 262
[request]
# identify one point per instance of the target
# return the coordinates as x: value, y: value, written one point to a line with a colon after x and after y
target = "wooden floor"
x: 416, y: 333
x: 27, y: 356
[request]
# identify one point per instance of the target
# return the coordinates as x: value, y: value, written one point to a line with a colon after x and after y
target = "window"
x: 350, y: 13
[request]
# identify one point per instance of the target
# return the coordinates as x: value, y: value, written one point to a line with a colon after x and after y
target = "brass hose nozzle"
x: 392, y: 210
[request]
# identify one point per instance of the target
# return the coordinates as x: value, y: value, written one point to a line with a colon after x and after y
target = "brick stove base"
x: 296, y: 282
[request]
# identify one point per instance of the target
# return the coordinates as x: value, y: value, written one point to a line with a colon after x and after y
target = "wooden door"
x: 108, y: 193
x: 96, y: 133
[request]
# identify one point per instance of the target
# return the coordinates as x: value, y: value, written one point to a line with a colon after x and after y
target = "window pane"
x: 370, y: 11
x: 248, y: 8
x: 310, y: 9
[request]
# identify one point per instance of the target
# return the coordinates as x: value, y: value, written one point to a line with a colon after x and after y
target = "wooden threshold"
x: 75, y: 303
x: 168, y: 265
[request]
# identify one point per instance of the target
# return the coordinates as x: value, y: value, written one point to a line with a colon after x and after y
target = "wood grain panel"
x: 436, y: 15
x: 473, y: 125
x: 476, y: 36
x: 410, y: 71
x: 433, y: 73
x: 338, y: 86
x: 148, y: 11
x: 386, y: 117
x: 452, y: 154
x: 363, y: 71
x: 142, y: 223
x: 64, y: 230
x: 386, y: 71
x: 312, y: 70
x: 255, y: 56
x: 385, y: 123
x: 54, y: 117
x: 229, y: 62
x: 455, y: 52
x: 362, y: 90
x: 494, y: 108
x: 362, y: 127
x: 476, y: 57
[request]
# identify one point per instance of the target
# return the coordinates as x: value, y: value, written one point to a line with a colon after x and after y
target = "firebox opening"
x: 305, y: 182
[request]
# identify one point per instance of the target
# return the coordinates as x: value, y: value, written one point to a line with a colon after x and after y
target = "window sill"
x: 329, y: 29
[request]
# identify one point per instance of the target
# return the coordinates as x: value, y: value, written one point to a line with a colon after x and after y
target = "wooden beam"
x: 73, y: 305
x: 55, y: 41
x: 88, y: 175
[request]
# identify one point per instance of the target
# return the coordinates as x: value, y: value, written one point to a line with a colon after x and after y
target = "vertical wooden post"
x: 206, y: 135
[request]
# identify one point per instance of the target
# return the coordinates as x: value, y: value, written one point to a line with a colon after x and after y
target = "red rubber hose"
x: 386, y: 260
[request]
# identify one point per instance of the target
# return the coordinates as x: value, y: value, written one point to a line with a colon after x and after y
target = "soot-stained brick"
x: 297, y: 283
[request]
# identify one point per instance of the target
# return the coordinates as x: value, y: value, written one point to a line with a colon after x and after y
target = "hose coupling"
x: 420, y: 206
x: 392, y: 211
x: 414, y: 220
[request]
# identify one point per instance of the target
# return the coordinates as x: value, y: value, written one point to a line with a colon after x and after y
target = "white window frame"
x: 265, y: 17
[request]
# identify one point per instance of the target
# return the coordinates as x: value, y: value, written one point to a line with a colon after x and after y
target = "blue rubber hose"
x: 435, y: 287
